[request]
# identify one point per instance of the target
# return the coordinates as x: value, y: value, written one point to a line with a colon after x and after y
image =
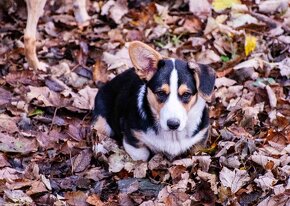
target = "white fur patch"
x: 141, y: 153
x: 176, y: 142
x: 173, y: 108
x: 140, y: 102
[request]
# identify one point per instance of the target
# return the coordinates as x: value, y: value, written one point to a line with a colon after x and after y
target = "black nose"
x: 173, y: 123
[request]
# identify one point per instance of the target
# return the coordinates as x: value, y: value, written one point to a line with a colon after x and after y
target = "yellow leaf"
x: 250, y: 44
x: 219, y: 5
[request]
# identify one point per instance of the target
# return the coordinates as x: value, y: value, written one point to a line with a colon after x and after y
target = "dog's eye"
x: 161, y: 94
x: 186, y: 95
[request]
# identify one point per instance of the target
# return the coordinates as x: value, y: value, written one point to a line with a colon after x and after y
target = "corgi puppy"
x: 157, y: 106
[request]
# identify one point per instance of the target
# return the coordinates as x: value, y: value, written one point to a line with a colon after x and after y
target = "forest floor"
x: 46, y: 153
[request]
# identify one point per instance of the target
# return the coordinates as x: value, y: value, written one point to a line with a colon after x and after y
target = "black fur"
x: 117, y: 100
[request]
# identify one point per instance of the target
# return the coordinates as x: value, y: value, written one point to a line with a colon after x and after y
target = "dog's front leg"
x: 34, y: 12
x: 136, y: 153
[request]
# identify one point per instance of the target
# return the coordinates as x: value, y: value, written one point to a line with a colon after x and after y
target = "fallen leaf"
x: 115, y: 9
x: 203, y: 162
x: 255, y: 63
x: 3, y: 161
x: 77, y: 198
x: 117, y: 161
x: 95, y: 200
x: 224, y: 81
x: 207, y: 57
x: 120, y: 59
x: 81, y: 161
x: 232, y: 162
x: 266, y: 182
x: 8, y: 173
x: 96, y: 174
x: 157, y: 162
x: 200, y: 8
x: 250, y: 44
x: 140, y: 170
x: 128, y: 186
x: 272, y: 6
x: 8, y: 124
x: 17, y: 145
x: 5, y: 97
x: 263, y: 160
x: 210, y: 178
x: 86, y: 98
x: 18, y: 196
x: 186, y: 162
x: 220, y: 5
x: 36, y: 188
x: 46, y: 97
x: 235, y: 179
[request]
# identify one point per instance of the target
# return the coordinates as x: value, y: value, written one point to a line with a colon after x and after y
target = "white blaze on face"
x: 173, y: 107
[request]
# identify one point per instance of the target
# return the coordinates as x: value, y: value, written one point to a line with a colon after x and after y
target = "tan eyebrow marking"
x: 182, y: 89
x: 165, y: 88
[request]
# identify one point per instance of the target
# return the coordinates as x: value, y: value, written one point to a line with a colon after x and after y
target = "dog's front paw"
x: 136, y: 153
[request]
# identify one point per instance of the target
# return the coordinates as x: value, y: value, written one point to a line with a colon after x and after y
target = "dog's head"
x: 173, y: 85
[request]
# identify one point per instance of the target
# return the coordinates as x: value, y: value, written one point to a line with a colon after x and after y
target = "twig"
x: 269, y: 21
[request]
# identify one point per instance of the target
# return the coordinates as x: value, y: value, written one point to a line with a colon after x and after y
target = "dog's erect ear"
x: 144, y: 59
x: 205, y: 79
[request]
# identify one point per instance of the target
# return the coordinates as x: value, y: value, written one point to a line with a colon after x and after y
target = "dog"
x: 157, y: 106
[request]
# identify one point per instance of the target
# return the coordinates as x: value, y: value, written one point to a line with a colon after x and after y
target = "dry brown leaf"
x: 45, y: 97
x: 200, y: 8
x: 140, y: 170
x: 85, y: 99
x: 5, y: 97
x: 3, y: 161
x: 264, y: 160
x: 8, y: 124
x: 272, y: 6
x: 266, y: 182
x: 36, y: 188
x: 115, y: 9
x: 77, y: 198
x: 119, y: 60
x: 8, y: 173
x: 81, y: 161
x: 117, y: 161
x: 224, y: 81
x: 210, y: 178
x: 18, y: 196
x: 203, y: 162
x: 17, y: 145
x: 95, y: 200
x: 235, y: 179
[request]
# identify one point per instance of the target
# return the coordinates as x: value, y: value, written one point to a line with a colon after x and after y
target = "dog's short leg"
x: 136, y: 153
x: 102, y: 128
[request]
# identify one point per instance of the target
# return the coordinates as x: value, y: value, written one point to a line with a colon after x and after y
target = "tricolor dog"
x: 157, y: 106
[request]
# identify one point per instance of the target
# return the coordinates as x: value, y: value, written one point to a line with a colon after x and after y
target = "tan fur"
x: 165, y: 88
x: 154, y: 104
x: 101, y: 126
x: 182, y: 89
x: 190, y: 104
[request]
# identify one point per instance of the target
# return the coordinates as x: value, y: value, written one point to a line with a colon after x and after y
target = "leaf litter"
x: 46, y: 153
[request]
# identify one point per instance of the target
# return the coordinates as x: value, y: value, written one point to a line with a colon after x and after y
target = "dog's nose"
x: 173, y: 123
